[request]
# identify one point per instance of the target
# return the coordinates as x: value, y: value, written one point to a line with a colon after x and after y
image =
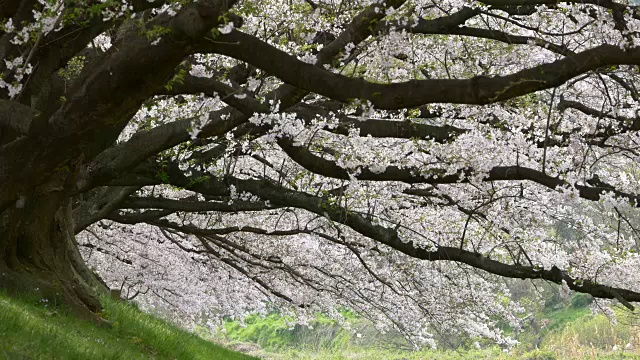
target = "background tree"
x: 394, y: 157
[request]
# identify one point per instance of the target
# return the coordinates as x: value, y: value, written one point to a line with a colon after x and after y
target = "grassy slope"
x: 32, y: 330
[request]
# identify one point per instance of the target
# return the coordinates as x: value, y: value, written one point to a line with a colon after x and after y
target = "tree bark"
x: 39, y: 254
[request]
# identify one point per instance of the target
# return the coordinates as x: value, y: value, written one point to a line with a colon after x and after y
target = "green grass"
x: 274, y: 333
x: 562, y: 317
x: 562, y: 330
x: 30, y: 329
x: 387, y: 354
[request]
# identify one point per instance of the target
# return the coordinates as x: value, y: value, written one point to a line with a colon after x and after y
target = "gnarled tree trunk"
x: 38, y: 253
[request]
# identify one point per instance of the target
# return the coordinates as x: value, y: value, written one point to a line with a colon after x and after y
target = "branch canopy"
x: 406, y: 160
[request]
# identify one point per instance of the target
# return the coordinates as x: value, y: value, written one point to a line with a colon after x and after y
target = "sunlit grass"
x: 565, y: 331
x: 31, y: 329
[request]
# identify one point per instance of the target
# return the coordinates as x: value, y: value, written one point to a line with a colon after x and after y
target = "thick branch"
x: 104, y: 99
x: 103, y: 202
x: 478, y: 90
x: 190, y: 205
x: 143, y: 145
x: 284, y: 197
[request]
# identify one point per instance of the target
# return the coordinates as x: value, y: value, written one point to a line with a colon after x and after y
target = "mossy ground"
x: 33, y: 329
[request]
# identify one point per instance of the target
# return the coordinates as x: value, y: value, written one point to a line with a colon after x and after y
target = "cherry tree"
x: 393, y: 157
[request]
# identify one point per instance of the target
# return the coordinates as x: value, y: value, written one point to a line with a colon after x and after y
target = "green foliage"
x: 177, y: 79
x: 33, y: 329
x: 618, y: 356
x: 581, y: 300
x: 562, y: 317
x: 595, y: 332
x: 156, y: 32
x: 81, y: 12
x: 162, y: 173
x: 270, y: 332
x: 538, y: 354
x: 561, y: 328
x: 73, y: 68
x: 275, y: 332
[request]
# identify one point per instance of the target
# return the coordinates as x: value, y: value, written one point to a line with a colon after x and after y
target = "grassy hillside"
x: 31, y: 329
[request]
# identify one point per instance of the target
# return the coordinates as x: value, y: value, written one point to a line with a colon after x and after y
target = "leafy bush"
x: 274, y: 332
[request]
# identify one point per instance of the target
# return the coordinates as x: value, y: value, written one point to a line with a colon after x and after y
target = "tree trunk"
x: 39, y: 253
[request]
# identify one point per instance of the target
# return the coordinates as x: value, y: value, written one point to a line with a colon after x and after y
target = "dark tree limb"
x: 478, y: 90
x: 390, y: 237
